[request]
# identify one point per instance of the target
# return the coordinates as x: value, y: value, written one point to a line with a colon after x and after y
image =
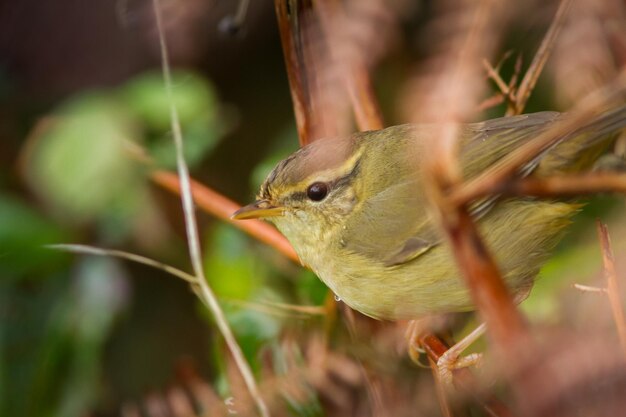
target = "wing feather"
x: 395, y: 225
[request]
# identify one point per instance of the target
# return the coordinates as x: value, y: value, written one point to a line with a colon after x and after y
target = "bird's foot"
x: 452, y: 358
x: 451, y: 361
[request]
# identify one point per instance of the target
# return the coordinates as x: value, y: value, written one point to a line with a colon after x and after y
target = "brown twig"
x: 490, y: 102
x: 355, y: 74
x: 506, y: 325
x: 493, y: 178
x: 566, y: 186
x: 366, y: 110
x: 529, y: 81
x: 294, y: 61
x: 493, y: 74
x: 612, y: 284
x: 364, y: 104
x: 222, y: 208
x: 440, y: 390
x: 294, y: 23
x: 464, y: 380
x: 476, y: 264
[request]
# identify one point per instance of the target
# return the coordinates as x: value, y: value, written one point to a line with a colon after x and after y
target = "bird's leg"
x: 452, y: 358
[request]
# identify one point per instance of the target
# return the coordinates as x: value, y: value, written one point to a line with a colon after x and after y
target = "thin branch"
x: 612, y: 285
x: 294, y: 62
x: 366, y: 110
x: 539, y: 61
x: 490, y: 102
x: 566, y: 186
x: 221, y: 207
x: 489, y: 294
x: 493, y: 300
x: 296, y: 29
x: 268, y: 307
x: 355, y: 74
x: 92, y: 250
x: 495, y: 76
x: 192, y: 228
x: 440, y: 389
x: 464, y: 380
x: 491, y: 180
x: 278, y: 309
x: 517, y: 69
x: 588, y: 288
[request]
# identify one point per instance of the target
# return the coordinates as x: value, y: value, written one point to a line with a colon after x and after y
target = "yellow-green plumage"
x: 371, y: 238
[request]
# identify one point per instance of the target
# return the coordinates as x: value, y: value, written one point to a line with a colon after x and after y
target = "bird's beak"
x: 257, y: 210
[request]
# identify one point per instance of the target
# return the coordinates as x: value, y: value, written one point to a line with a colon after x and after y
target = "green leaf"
x: 82, y: 166
x: 230, y: 267
x: 23, y: 233
x: 192, y: 95
x: 198, y: 112
x: 310, y: 288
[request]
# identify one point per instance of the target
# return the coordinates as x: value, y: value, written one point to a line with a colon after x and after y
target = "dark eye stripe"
x: 346, y: 179
x: 333, y: 186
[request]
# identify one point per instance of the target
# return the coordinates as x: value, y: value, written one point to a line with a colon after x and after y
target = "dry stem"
x: 287, y: 16
x: 612, y: 284
x: 516, y: 106
x: 354, y: 73
x: 464, y: 380
x: 492, y: 180
x: 297, y: 34
x: 566, y: 186
x: 207, y: 295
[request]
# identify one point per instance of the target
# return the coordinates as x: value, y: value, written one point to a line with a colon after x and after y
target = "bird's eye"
x: 317, y: 191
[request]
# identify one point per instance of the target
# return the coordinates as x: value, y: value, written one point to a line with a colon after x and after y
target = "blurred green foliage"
x: 88, y: 162
x: 23, y: 232
x: 53, y: 336
x: 80, y: 165
x: 205, y: 123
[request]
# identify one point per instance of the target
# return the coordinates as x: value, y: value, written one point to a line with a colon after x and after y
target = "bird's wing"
x: 392, y: 226
x: 483, y: 144
x: 395, y: 226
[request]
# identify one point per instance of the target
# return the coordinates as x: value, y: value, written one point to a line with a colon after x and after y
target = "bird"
x: 355, y: 210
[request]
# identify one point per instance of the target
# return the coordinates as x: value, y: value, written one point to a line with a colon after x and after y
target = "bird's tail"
x: 582, y: 149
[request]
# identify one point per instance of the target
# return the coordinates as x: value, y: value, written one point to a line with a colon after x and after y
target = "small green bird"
x: 355, y: 211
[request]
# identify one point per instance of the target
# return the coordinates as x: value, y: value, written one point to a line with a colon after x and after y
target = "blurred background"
x: 84, y: 119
